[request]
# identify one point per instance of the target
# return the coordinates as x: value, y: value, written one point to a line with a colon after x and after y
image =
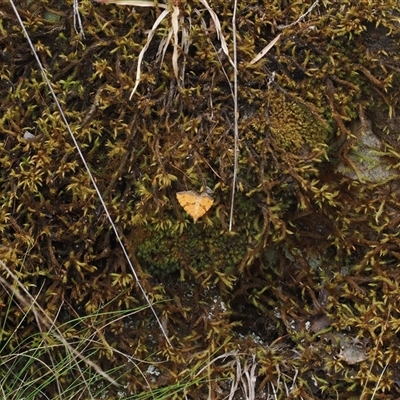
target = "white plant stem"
x: 92, y: 179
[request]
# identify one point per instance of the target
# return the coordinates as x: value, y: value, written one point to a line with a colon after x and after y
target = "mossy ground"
x: 307, y: 282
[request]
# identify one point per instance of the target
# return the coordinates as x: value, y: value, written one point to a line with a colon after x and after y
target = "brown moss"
x: 310, y: 246
x: 292, y: 125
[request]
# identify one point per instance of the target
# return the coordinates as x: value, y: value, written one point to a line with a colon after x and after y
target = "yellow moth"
x: 196, y: 205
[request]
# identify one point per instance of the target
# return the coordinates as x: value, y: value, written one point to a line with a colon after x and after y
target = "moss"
x: 293, y: 126
x: 310, y: 246
x: 196, y: 249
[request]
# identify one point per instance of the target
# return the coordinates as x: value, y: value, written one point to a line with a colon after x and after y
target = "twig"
x: 280, y: 27
x: 236, y: 116
x: 77, y: 19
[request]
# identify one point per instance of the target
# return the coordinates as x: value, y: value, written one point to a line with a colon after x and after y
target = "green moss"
x: 196, y: 249
x: 292, y: 125
x: 309, y: 244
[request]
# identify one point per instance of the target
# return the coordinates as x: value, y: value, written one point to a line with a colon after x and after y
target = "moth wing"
x: 206, y: 202
x: 196, y: 205
x: 185, y: 198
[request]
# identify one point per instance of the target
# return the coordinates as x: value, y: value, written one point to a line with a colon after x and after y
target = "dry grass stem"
x: 91, y: 177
